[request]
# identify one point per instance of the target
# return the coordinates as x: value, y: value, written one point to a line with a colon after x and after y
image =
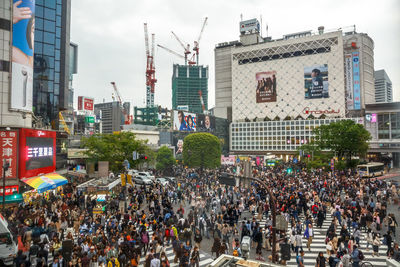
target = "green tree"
x: 202, y: 150
x: 115, y: 148
x: 345, y: 138
x: 165, y: 159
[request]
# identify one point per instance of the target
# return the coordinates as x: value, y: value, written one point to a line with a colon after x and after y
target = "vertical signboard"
x: 85, y: 103
x: 356, y: 80
x: 9, y: 151
x: 349, y: 82
x: 22, y: 54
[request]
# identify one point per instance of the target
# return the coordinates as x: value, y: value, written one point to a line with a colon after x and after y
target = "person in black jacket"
x: 197, y: 238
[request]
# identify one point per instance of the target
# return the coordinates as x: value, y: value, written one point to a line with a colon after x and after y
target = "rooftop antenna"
x: 267, y: 29
x: 241, y: 17
x: 261, y: 25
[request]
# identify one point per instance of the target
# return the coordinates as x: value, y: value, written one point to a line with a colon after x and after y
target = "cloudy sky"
x: 111, y: 38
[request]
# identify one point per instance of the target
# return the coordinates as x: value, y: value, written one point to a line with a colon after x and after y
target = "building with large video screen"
x: 276, y: 91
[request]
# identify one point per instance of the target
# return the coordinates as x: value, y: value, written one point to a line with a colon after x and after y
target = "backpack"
x: 361, y: 255
x: 235, y: 252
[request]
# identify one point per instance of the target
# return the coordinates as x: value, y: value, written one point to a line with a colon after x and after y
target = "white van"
x: 8, y: 248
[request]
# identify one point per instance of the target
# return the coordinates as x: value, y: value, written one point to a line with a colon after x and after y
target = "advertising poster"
x: 184, y: 121
x: 229, y: 160
x: 316, y: 81
x: 266, y: 87
x: 9, y: 152
x: 85, y: 103
x: 349, y: 82
x: 22, y: 54
x: 205, y: 123
x: 356, y: 80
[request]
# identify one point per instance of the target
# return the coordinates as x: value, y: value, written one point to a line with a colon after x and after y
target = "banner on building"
x: 349, y: 82
x: 266, y: 87
x: 85, y: 103
x: 184, y: 121
x: 205, y: 123
x: 229, y: 160
x: 9, y: 152
x: 22, y: 54
x: 356, y: 80
x: 316, y: 81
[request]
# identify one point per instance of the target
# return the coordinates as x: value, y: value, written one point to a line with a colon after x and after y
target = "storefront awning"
x: 45, y: 182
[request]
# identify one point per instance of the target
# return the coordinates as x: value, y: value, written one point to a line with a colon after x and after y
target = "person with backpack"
x: 356, y: 256
x: 300, y: 259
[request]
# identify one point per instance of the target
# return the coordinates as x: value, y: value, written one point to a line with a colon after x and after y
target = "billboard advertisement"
x: 85, y: 103
x: 266, y: 87
x: 249, y: 25
x: 9, y: 152
x: 356, y: 80
x: 229, y: 160
x: 184, y: 121
x: 37, y: 152
x: 22, y: 54
x: 205, y: 123
x: 316, y: 81
x: 349, y: 82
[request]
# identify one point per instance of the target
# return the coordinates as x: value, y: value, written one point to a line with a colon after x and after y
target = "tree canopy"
x: 345, y: 138
x: 201, y: 150
x: 165, y: 159
x: 115, y: 148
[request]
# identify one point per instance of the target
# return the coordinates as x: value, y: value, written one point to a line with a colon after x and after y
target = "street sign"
x: 134, y: 155
x: 281, y: 223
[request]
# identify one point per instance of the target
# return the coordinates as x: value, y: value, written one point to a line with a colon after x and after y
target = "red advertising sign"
x: 80, y: 100
x: 88, y: 104
x: 37, y: 152
x: 85, y: 103
x: 9, y: 152
x: 9, y: 190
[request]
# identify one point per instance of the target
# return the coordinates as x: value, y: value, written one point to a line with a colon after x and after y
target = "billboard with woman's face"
x: 184, y: 121
x: 22, y: 54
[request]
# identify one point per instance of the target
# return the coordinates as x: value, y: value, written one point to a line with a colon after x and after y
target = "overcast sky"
x: 111, y: 43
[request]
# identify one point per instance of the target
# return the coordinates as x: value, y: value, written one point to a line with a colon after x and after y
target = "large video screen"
x: 40, y: 152
x: 316, y: 81
x: 205, y: 123
x: 266, y: 86
x: 184, y: 121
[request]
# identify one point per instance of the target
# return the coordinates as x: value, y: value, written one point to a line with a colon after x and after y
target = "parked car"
x: 133, y: 172
x: 162, y: 181
x: 142, y: 180
x: 171, y: 179
x: 148, y: 175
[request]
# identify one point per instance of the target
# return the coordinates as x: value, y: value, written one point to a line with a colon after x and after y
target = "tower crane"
x: 186, y: 50
x: 127, y: 119
x: 196, y: 43
x: 150, y: 68
x: 190, y: 62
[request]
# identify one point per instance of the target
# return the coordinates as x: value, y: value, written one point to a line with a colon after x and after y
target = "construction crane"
x: 150, y: 68
x: 196, y: 43
x: 64, y: 124
x: 186, y: 50
x: 190, y: 61
x: 127, y: 118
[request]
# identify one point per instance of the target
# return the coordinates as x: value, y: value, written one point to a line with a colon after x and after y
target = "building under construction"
x: 190, y: 87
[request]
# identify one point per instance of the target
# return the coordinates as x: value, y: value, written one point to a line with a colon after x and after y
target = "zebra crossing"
x: 318, y: 245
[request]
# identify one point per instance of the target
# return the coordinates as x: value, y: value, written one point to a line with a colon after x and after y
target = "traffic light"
x: 143, y: 157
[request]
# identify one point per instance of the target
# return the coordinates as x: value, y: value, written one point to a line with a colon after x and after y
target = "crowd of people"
x: 65, y: 228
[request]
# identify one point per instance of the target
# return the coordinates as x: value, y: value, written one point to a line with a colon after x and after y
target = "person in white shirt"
x: 155, y: 262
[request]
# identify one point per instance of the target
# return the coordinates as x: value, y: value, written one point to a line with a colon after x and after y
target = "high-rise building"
x: 52, y: 54
x: 276, y: 92
x: 12, y: 115
x: 189, y: 84
x: 383, y: 87
x: 111, y: 116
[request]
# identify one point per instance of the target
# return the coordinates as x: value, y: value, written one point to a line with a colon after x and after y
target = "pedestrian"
x: 300, y: 259
x: 308, y: 234
x: 375, y: 245
x: 355, y: 257
x: 195, y: 257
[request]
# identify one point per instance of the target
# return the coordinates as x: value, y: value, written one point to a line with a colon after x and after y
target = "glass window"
x: 58, y: 32
x: 38, y: 11
x: 38, y: 48
x: 58, y: 21
x: 38, y: 24
x: 49, y: 38
x: 50, y: 14
x: 50, y: 3
x: 49, y: 26
x: 57, y: 77
x: 59, y: 9
x: 56, y: 88
x: 48, y: 50
x: 57, y: 54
